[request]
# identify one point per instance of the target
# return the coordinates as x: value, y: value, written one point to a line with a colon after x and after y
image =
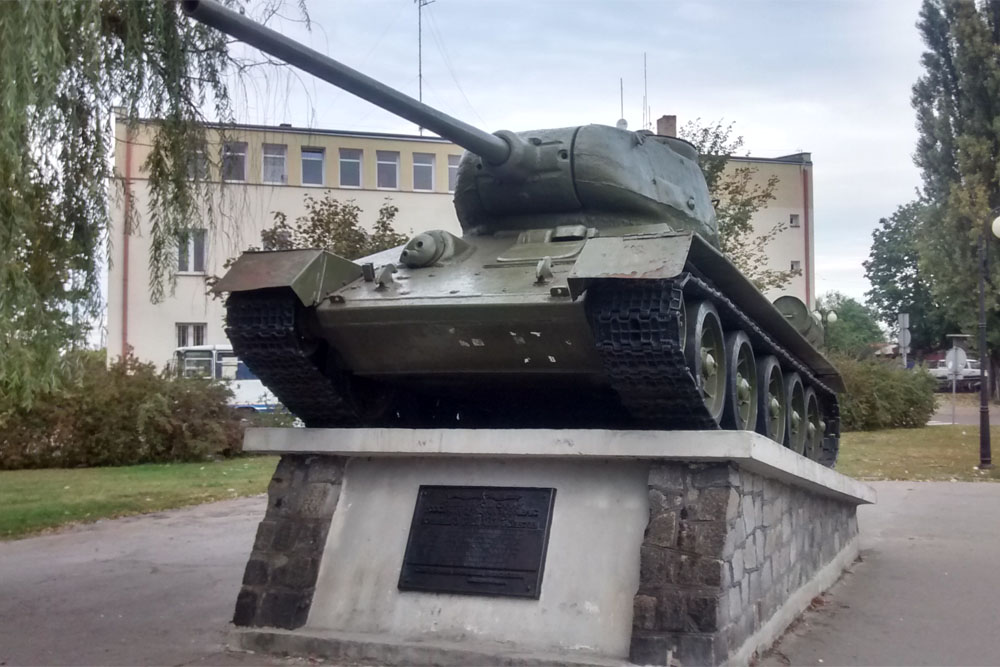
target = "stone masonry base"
x: 723, y: 551
x: 280, y: 577
x: 733, y: 550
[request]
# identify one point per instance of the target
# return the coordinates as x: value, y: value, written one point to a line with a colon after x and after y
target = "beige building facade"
x: 260, y: 170
x: 792, y: 208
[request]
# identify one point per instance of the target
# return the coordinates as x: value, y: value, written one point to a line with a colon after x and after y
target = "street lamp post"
x: 985, y: 456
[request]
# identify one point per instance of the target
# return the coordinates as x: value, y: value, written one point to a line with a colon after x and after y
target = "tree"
x: 957, y: 101
x: 738, y: 197
x: 855, y: 333
x: 898, y: 286
x: 334, y: 225
x: 63, y: 67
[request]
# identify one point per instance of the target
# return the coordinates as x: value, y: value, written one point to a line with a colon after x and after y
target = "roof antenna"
x: 646, y: 115
x: 622, y: 124
x: 420, y: 50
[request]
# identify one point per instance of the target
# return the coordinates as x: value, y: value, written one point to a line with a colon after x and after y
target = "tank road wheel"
x: 815, y: 426
x: 771, y: 399
x: 705, y: 353
x: 795, y: 397
x: 741, y: 384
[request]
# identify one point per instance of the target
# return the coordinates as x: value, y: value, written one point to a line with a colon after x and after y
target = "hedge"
x: 881, y: 394
x: 123, y: 414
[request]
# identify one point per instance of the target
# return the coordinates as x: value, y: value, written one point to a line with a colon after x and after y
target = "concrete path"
x: 160, y: 589
x: 926, y: 591
x: 151, y: 590
x: 966, y: 411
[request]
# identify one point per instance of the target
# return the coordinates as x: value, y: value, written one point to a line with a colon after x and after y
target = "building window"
x: 796, y: 265
x: 453, y: 171
x: 274, y: 170
x: 387, y: 170
x: 350, y: 168
x: 312, y: 166
x: 234, y: 161
x: 190, y: 334
x: 793, y: 220
x: 191, y: 252
x: 198, y: 166
x: 423, y: 171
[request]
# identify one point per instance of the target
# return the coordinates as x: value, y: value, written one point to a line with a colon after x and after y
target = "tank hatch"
x: 563, y: 242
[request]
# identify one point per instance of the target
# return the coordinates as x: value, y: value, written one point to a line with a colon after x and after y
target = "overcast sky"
x: 829, y: 77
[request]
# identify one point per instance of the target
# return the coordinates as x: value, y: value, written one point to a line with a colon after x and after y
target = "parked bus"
x: 221, y: 363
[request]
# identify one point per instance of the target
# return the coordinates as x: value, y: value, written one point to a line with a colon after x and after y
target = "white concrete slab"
x: 591, y: 567
x: 750, y: 450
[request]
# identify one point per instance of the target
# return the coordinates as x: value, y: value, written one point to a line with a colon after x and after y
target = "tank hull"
x: 504, y: 335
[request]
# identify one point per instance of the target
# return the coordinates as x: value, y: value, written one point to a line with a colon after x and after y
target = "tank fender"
x: 639, y: 256
x: 312, y: 274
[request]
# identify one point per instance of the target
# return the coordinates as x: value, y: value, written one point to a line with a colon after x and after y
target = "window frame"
x: 794, y: 221
x: 284, y: 163
x: 200, y: 164
x: 432, y: 166
x: 190, y: 254
x: 453, y: 169
x: 189, y: 329
x: 227, y: 151
x: 379, y: 162
x: 322, y: 165
x: 793, y: 267
x: 361, y: 167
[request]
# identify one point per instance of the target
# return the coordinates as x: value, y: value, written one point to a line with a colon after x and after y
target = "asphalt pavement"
x: 925, y: 591
x: 966, y: 411
x: 157, y: 589
x: 160, y: 589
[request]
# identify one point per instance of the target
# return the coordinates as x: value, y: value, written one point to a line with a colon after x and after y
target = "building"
x: 263, y: 169
x: 791, y: 249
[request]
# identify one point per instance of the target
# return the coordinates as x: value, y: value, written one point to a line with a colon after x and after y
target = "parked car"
x: 967, y: 377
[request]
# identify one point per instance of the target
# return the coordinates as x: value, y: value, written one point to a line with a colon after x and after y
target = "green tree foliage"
x: 855, y: 333
x: 881, y: 394
x: 334, y: 225
x: 63, y: 67
x: 738, y: 197
x: 957, y: 101
x: 898, y: 286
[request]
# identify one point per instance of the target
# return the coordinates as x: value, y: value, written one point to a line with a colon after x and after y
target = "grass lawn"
x: 932, y: 453
x: 34, y: 500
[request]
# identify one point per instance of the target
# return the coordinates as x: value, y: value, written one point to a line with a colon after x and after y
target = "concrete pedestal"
x: 665, y: 547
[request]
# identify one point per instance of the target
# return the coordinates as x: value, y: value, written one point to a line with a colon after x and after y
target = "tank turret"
x: 589, y: 175
x: 587, y: 290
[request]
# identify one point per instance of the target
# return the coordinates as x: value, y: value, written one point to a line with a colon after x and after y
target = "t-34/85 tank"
x: 587, y: 290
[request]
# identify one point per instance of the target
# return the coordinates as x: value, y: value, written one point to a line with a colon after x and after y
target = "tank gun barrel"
x: 490, y: 147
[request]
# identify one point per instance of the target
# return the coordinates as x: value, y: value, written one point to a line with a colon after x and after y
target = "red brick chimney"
x: 666, y: 126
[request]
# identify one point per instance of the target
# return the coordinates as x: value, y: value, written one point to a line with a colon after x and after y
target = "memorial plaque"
x: 478, y: 540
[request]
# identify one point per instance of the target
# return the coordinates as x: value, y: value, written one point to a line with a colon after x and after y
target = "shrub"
x: 881, y: 394
x: 122, y: 414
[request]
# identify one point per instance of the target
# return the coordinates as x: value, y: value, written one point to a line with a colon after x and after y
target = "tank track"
x: 636, y: 325
x: 265, y: 331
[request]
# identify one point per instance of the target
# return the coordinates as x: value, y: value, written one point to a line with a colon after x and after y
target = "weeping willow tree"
x: 64, y: 66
